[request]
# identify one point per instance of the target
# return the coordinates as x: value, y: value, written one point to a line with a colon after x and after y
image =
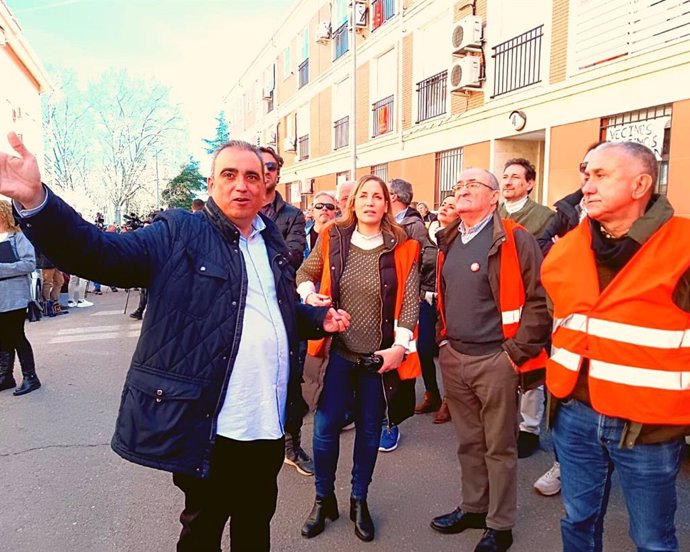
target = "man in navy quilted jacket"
x: 203, y: 398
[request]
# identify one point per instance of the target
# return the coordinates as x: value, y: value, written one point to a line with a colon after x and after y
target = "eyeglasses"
x: 328, y: 206
x: 583, y: 166
x: 271, y: 166
x: 472, y: 186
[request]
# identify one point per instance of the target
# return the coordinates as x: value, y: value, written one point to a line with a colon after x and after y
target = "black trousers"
x: 13, y: 338
x: 243, y: 487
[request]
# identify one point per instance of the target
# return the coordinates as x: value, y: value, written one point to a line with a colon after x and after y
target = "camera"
x: 100, y: 221
x: 370, y: 363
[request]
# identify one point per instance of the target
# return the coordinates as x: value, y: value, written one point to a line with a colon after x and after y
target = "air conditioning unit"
x: 464, y: 74
x: 323, y: 32
x: 467, y: 35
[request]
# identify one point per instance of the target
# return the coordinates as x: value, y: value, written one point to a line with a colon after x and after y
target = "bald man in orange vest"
x: 620, y: 286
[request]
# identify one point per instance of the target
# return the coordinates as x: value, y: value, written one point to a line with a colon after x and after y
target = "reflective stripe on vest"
x: 635, y: 337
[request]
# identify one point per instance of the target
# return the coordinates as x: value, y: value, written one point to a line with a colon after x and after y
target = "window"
x: 342, y: 103
x: 287, y: 63
x: 268, y: 88
x: 341, y: 34
x: 381, y: 171
x: 303, y: 147
x: 431, y: 96
x: 448, y: 168
x: 651, y: 127
x: 382, y: 121
x: 639, y: 26
x: 341, y: 41
x: 517, y: 62
x: 383, y: 10
x: 341, y: 132
x: 304, y: 59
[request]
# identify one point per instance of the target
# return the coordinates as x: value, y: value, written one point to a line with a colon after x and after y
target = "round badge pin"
x: 474, y: 267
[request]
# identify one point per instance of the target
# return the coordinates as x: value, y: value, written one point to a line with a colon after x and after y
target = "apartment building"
x: 22, y: 80
x: 442, y: 85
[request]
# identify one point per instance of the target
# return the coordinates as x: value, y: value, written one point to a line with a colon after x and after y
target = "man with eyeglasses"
x: 493, y: 327
x: 289, y: 219
x: 291, y: 223
x: 324, y: 210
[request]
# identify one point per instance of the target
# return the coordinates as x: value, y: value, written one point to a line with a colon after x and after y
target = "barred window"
x: 448, y: 167
x: 380, y: 170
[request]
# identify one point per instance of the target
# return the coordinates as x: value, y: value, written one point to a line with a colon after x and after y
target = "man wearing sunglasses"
x: 324, y: 210
x: 291, y: 223
x: 289, y: 219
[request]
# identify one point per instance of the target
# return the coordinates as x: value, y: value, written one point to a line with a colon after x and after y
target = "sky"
x: 197, y: 47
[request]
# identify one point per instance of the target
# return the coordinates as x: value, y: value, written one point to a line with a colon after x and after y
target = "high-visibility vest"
x: 404, y: 256
x: 511, y: 291
x: 635, y: 337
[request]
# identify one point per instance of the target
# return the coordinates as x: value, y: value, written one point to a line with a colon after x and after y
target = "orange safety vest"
x: 636, y: 339
x: 511, y: 291
x: 404, y: 255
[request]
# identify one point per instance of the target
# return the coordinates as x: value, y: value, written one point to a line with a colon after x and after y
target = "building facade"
x: 22, y: 81
x: 444, y: 85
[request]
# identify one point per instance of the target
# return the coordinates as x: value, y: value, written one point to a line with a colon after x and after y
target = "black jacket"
x: 567, y: 217
x: 291, y: 223
x: 196, y: 277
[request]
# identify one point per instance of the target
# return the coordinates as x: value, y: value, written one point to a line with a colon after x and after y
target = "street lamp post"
x: 353, y: 110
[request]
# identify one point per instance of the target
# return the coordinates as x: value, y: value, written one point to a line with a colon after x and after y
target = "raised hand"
x: 20, y: 178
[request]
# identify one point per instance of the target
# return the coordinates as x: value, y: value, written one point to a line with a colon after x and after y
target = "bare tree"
x: 135, y: 121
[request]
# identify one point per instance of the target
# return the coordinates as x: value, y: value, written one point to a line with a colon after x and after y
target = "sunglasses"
x: 583, y: 166
x: 328, y: 206
x: 271, y: 166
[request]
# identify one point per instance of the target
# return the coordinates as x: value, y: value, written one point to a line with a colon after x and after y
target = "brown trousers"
x: 52, y: 283
x: 482, y: 394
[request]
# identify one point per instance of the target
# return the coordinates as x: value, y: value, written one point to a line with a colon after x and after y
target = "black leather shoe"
x: 29, y: 384
x: 528, y: 444
x: 324, y: 508
x: 359, y: 513
x: 494, y: 540
x: 457, y: 521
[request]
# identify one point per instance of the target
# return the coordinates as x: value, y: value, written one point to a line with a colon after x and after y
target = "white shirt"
x: 254, y: 406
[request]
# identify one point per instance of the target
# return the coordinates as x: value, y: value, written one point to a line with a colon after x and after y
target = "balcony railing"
x: 342, y: 132
x: 382, y: 11
x: 303, y: 147
x: 304, y: 73
x: 382, y: 116
x: 517, y: 62
x: 431, y: 96
x: 341, y: 41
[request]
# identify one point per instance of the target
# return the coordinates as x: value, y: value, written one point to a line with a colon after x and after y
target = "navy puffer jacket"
x: 195, y: 274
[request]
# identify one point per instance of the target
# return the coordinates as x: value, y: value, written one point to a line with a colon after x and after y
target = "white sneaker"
x: 84, y: 303
x: 549, y: 484
x: 71, y: 304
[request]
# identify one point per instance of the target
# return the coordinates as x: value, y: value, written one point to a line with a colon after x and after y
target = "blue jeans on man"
x: 589, y: 450
x: 342, y: 380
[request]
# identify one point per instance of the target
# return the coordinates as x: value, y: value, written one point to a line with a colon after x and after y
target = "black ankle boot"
x: 324, y: 507
x: 7, y: 380
x: 29, y: 383
x: 359, y: 513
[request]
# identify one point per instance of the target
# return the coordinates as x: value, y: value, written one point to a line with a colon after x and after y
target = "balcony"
x: 431, y: 97
x: 303, y: 147
x: 304, y: 73
x: 517, y: 62
x: 382, y: 112
x: 341, y: 133
x: 341, y: 41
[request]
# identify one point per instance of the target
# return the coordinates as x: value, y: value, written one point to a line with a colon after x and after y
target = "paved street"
x: 64, y: 490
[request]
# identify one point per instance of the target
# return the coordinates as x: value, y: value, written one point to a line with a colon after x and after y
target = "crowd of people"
x: 526, y: 312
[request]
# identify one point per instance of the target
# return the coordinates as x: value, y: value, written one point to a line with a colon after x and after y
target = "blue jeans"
x: 342, y: 380
x: 588, y: 451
